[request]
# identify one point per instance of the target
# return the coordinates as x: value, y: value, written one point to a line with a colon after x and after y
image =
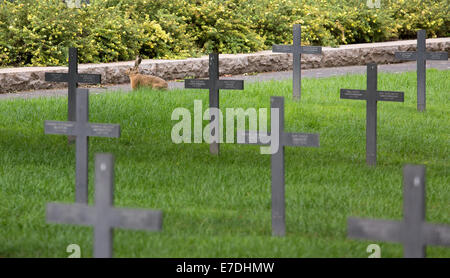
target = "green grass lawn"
x: 219, y: 206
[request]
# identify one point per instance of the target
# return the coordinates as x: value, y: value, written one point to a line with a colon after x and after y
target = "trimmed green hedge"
x: 39, y: 32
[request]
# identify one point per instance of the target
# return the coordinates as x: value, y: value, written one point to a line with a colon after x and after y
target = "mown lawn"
x: 220, y: 206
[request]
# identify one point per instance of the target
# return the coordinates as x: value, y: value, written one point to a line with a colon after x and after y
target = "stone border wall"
x: 32, y: 78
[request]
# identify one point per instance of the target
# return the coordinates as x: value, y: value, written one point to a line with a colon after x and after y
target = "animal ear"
x: 138, y: 61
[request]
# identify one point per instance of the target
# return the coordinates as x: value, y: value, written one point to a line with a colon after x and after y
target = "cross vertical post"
x: 296, y: 61
x: 104, y: 181
x: 371, y: 96
x: 413, y: 232
x: 81, y: 130
x: 214, y: 101
x: 421, y: 55
x: 82, y: 143
x: 277, y: 170
x: 414, y: 211
x: 421, y: 70
x: 297, y: 50
x: 214, y: 84
x: 72, y: 83
x: 72, y: 78
x: 371, y: 115
x: 278, y: 139
x: 103, y: 216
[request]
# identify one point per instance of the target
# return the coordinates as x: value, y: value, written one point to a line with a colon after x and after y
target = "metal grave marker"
x: 72, y: 78
x: 277, y: 159
x: 214, y: 84
x: 421, y: 56
x: 372, y: 96
x: 103, y: 215
x: 297, y: 50
x: 413, y: 231
x: 82, y: 130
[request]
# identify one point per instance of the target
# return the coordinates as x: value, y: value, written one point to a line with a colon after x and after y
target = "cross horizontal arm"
x: 301, y: 139
x: 197, y: 84
x: 55, y: 127
x: 76, y: 213
x: 353, y: 94
x: 104, y: 130
x: 311, y: 50
x: 136, y: 219
x: 438, y: 235
x: 390, y: 96
x: 436, y: 55
x: 81, y: 78
x: 382, y: 230
x: 252, y: 137
x: 282, y: 48
x: 56, y: 77
x: 89, y: 78
x: 409, y: 55
x: 227, y: 84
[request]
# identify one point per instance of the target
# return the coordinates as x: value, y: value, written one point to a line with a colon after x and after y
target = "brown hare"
x: 141, y: 80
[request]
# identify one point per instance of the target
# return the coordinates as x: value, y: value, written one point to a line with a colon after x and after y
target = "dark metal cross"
x: 297, y: 50
x: 72, y: 78
x: 421, y: 56
x: 214, y: 84
x: 103, y: 215
x: 278, y: 140
x: 82, y: 129
x: 372, y: 96
x: 413, y: 232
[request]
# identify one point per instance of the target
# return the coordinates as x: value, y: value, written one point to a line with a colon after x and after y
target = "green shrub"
x: 221, y: 26
x: 39, y: 32
x: 412, y: 15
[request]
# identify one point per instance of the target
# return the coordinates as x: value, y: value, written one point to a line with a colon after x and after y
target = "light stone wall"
x: 32, y: 78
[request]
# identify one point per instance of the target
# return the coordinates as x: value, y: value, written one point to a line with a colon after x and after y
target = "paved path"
x: 311, y: 73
